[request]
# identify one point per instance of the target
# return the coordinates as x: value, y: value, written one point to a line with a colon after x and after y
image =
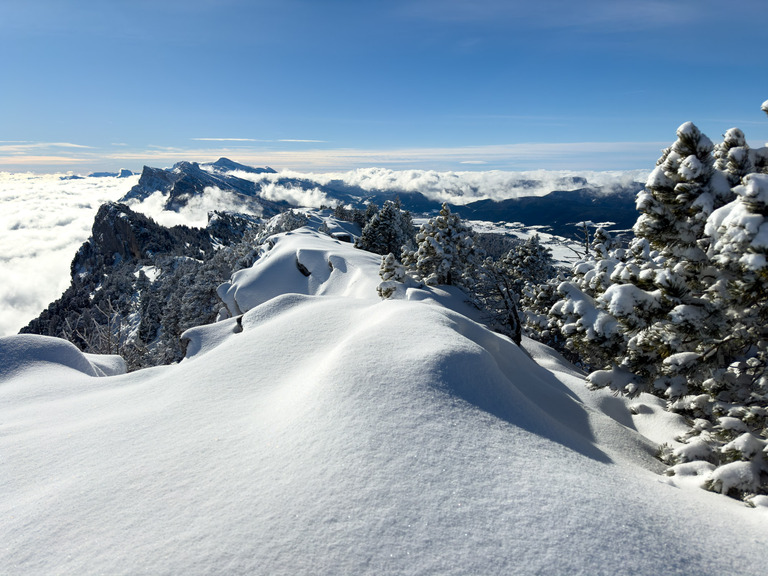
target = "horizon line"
x: 590, y: 156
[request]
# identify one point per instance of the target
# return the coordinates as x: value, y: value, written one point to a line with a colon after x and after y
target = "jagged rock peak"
x: 227, y: 165
x: 187, y: 180
x: 119, y: 233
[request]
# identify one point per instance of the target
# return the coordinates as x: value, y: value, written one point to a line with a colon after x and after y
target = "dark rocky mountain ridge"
x: 559, y: 210
x: 136, y: 285
x: 187, y: 179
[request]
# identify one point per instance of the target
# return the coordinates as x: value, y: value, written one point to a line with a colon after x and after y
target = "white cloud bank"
x: 43, y: 221
x: 457, y: 187
x: 195, y: 212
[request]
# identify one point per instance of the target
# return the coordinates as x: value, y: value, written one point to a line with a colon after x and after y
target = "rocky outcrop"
x: 136, y: 285
x: 122, y: 235
x: 187, y: 180
x: 227, y: 165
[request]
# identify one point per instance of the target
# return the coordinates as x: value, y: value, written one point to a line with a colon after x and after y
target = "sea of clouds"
x: 44, y: 219
x: 450, y: 186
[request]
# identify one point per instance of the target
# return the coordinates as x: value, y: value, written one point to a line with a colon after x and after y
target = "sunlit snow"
x: 325, y: 431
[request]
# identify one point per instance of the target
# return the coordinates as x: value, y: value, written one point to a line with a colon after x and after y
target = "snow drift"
x: 324, y: 431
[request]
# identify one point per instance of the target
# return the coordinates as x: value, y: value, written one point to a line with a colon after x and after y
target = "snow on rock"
x: 107, y: 364
x: 31, y: 353
x: 303, y: 262
x: 743, y: 476
x: 327, y: 431
x: 201, y: 339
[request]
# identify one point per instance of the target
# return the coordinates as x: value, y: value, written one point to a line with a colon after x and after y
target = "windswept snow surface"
x: 325, y: 431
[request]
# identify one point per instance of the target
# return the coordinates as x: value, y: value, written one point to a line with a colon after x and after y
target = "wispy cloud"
x: 229, y: 140
x: 24, y: 154
x: 20, y: 146
x: 299, y: 140
x: 306, y: 154
x: 31, y: 160
x: 573, y: 155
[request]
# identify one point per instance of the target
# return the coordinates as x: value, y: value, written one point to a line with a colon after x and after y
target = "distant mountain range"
x: 559, y: 211
x: 122, y: 173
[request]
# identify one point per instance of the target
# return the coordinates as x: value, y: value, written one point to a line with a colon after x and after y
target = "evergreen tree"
x: 284, y: 222
x: 494, y: 293
x: 445, y: 252
x: 392, y: 274
x: 679, y: 196
x: 662, y: 307
x: 685, y: 310
x: 732, y: 156
x: 388, y: 230
x: 731, y: 415
x: 740, y: 250
x: 528, y: 262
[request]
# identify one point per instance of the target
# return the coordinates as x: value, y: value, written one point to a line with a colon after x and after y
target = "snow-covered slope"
x: 325, y: 431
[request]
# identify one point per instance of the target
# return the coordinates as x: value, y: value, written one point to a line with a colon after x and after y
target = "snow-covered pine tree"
x: 387, y: 230
x: 501, y: 283
x: 577, y: 319
x: 445, y: 252
x: 728, y: 438
x: 528, y: 262
x: 284, y: 222
x: 536, y: 303
x: 680, y: 194
x: 691, y: 300
x: 593, y: 274
x: 733, y: 157
x: 392, y: 273
x: 553, y: 309
x: 740, y: 249
x: 669, y: 320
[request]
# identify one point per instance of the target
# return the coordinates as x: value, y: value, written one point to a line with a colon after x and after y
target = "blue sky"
x: 336, y: 84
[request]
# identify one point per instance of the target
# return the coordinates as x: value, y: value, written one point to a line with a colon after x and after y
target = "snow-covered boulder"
x: 303, y: 261
x: 30, y: 354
